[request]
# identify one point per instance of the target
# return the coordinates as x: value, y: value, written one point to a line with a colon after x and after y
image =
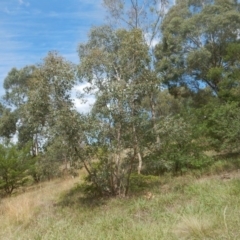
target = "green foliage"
x: 179, y: 150
x: 136, y: 123
x: 40, y: 97
x: 118, y: 60
x: 44, y: 167
x: 17, y: 84
x: 221, y: 125
x: 140, y: 182
x: 196, y: 38
x: 8, y: 121
x: 229, y: 86
x: 102, y: 172
x: 14, y: 165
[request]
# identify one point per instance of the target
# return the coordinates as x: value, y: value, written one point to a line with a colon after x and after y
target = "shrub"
x: 140, y: 182
x: 179, y: 149
x: 13, y: 167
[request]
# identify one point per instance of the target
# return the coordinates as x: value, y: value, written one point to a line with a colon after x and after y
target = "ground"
x: 185, y: 207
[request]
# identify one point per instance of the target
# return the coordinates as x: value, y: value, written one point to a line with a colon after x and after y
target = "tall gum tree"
x: 196, y: 35
x: 200, y: 50
x: 114, y: 63
x: 39, y: 95
x: 17, y: 86
x: 145, y: 15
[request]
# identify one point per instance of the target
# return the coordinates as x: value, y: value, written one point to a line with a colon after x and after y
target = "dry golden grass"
x: 183, y: 208
x: 18, y: 210
x: 192, y: 226
x: 21, y: 208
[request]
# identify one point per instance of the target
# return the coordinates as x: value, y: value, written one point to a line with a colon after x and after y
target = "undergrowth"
x: 185, y: 207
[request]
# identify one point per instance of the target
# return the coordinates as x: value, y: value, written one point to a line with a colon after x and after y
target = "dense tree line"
x: 166, y: 85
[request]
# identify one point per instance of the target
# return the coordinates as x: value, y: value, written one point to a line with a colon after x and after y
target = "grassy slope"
x: 182, y: 208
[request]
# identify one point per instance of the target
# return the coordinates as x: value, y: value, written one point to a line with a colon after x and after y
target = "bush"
x: 222, y: 126
x: 139, y: 182
x: 13, y: 167
x: 179, y: 151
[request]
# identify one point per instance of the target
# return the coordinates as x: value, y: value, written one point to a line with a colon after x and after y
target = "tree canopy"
x: 196, y: 38
x: 165, y: 79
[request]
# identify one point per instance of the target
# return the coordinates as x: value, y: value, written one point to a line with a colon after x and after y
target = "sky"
x: 29, y: 29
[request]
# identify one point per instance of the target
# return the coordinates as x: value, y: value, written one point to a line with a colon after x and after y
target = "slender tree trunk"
x: 153, y: 113
x: 137, y: 149
x: 118, y: 160
x: 118, y: 156
x: 139, y: 163
x: 129, y: 173
x: 89, y: 172
x: 36, y: 146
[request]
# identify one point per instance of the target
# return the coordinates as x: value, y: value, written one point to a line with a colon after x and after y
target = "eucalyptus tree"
x: 16, y: 86
x: 40, y: 101
x: 195, y: 38
x: 50, y: 95
x: 114, y: 63
x: 7, y: 123
x: 200, y: 49
x: 137, y: 14
x: 230, y: 83
x: 147, y: 16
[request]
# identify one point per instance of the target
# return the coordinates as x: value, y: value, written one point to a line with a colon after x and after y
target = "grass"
x: 179, y: 208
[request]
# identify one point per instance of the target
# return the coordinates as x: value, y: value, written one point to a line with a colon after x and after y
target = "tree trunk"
x: 153, y: 112
x: 139, y: 163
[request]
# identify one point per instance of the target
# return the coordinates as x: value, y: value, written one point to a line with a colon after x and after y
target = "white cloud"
x: 151, y: 42
x: 81, y: 87
x: 22, y: 2
x: 82, y: 105
x: 238, y: 34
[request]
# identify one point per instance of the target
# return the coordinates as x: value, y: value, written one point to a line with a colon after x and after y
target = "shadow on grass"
x: 229, y: 155
x: 226, y: 162
x: 77, y: 196
x: 86, y: 196
x: 140, y: 183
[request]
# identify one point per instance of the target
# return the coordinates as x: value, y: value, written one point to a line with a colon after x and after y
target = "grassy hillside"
x: 175, y: 208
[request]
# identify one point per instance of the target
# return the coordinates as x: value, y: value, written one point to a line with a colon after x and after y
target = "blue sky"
x: 31, y: 28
